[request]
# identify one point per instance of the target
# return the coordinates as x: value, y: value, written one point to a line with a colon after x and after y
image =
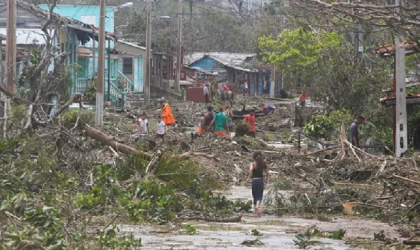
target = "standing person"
x: 225, y: 90
x: 220, y: 124
x: 228, y: 113
x: 245, y: 88
x: 302, y: 99
x: 143, y: 125
x: 267, y: 109
x: 161, y: 127
x: 206, y: 93
x: 354, y: 132
x: 167, y: 116
x: 206, y: 120
x: 256, y: 176
x: 251, y: 120
x: 367, y: 130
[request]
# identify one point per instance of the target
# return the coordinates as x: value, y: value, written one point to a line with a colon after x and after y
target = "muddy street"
x: 276, y: 232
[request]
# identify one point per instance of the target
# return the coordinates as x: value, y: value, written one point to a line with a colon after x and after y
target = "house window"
x: 128, y: 65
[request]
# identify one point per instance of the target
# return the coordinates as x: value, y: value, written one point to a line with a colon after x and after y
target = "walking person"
x: 143, y: 125
x: 161, y: 128
x: 220, y: 124
x: 256, y: 177
x: 251, y: 120
x: 206, y: 120
x: 206, y: 93
x: 246, y: 88
x: 354, y: 132
x: 228, y: 113
x: 167, y: 116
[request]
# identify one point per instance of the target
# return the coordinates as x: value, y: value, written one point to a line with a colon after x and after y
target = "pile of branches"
x: 346, y: 150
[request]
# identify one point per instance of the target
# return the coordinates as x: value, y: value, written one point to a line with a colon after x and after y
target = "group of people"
x: 219, y: 123
x: 361, y: 126
x: 162, y: 121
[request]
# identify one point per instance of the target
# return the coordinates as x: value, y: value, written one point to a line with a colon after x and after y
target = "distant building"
x: 233, y: 69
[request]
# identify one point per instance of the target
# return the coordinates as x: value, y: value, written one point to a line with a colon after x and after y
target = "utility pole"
x: 400, y: 111
x: 101, y: 69
x: 179, y: 48
x: 11, y: 45
x: 10, y: 58
x: 273, y: 82
x: 148, y: 53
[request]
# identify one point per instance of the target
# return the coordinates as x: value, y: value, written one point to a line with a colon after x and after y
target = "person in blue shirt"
x: 267, y: 109
x: 354, y: 132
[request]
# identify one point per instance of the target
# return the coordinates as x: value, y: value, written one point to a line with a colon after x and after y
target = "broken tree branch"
x: 68, y: 103
x: 342, y: 138
x: 322, y: 150
x: 352, y: 150
x: 406, y: 179
x: 107, y: 140
x: 192, y: 153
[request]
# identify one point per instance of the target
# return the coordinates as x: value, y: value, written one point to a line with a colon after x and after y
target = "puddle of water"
x: 277, y: 232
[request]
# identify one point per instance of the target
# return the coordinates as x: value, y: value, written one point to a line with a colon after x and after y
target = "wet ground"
x: 277, y: 232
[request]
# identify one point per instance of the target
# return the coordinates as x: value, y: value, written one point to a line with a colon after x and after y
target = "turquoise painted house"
x: 71, y: 35
x: 87, y: 54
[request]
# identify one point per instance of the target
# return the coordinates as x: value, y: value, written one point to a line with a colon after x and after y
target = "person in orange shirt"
x: 167, y: 116
x: 251, y: 120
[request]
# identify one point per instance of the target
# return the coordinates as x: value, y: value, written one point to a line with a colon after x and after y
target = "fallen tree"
x: 109, y: 141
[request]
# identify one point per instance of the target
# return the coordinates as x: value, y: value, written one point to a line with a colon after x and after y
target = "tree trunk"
x: 107, y: 140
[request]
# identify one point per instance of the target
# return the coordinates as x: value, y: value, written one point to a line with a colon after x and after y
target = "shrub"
x: 69, y: 118
x: 328, y: 126
x: 241, y: 129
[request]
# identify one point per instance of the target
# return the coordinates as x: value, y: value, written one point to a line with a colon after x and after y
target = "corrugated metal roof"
x: 69, y: 22
x: 27, y: 36
x: 232, y: 60
x: 132, y: 45
x: 388, y: 49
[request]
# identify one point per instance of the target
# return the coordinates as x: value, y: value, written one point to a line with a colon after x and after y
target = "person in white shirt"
x: 206, y: 93
x: 143, y: 125
x: 160, y: 128
x: 245, y: 88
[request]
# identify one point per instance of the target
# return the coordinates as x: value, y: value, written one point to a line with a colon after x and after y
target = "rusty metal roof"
x: 411, y: 99
x: 386, y: 50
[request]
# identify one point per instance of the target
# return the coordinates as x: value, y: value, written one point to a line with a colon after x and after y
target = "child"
x: 143, y: 125
x: 160, y: 128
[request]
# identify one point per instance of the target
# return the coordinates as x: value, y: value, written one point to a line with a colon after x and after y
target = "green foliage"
x: 328, y: 126
x: 151, y: 201
x: 301, y: 241
x: 241, y: 129
x: 188, y: 229
x: 338, y: 235
x: 217, y: 204
x: 304, y: 239
x: 296, y: 51
x: 90, y: 93
x: 109, y: 240
x: 255, y: 232
x: 69, y: 118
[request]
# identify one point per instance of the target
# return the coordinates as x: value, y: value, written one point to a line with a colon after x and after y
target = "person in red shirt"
x: 225, y: 87
x: 251, y: 120
x: 302, y: 99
